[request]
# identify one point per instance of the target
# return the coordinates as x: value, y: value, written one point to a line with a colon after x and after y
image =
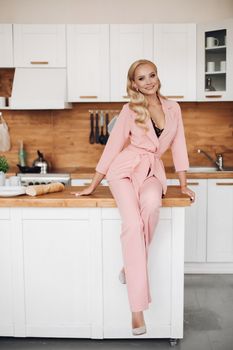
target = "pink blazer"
x: 131, y: 152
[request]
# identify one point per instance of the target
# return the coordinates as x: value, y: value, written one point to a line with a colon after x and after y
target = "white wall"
x: 114, y: 11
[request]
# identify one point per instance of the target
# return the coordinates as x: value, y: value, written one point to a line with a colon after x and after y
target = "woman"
x: 131, y: 162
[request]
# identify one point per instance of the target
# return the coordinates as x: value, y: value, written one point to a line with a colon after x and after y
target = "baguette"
x: 36, y: 190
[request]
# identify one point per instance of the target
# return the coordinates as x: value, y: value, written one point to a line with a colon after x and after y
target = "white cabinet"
x: 6, y: 290
x: 39, y: 88
x: 6, y: 45
x: 128, y: 43
x: 175, y: 57
x: 59, y: 271
x: 88, y: 62
x: 195, y: 222
x: 209, y: 227
x: 50, y: 260
x: 39, y: 45
x: 214, y: 61
x: 56, y: 282
x: 220, y: 223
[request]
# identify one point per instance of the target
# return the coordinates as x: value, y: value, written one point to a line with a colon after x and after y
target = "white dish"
x: 12, y: 191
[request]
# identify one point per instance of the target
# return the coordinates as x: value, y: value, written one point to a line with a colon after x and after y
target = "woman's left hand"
x: 190, y: 193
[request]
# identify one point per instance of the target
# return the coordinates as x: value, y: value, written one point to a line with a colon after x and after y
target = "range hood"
x: 39, y: 88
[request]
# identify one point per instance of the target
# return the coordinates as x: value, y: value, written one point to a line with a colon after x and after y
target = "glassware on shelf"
x: 209, y: 86
x: 215, y: 60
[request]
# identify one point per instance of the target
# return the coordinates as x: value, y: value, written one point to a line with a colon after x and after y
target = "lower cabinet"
x: 45, y: 272
x: 209, y: 227
x: 220, y: 221
x: 6, y: 284
x: 59, y: 272
x: 56, y: 273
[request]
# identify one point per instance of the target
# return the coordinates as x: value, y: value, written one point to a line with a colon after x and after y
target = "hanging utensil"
x: 106, y: 136
x: 101, y: 137
x: 96, y: 127
x: 92, y: 134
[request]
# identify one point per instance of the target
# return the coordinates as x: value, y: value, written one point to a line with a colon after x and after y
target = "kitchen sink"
x: 203, y: 169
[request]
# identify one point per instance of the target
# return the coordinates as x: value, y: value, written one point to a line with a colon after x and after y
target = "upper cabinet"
x: 175, y: 58
x: 39, y: 45
x: 194, y: 61
x: 215, y: 62
x: 6, y: 45
x: 88, y: 62
x: 128, y: 43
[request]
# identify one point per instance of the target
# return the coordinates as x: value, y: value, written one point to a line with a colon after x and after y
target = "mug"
x: 210, y: 66
x: 222, y: 66
x: 211, y: 41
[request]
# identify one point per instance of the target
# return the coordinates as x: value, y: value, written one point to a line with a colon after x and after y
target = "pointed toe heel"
x: 139, y: 331
x: 122, y: 277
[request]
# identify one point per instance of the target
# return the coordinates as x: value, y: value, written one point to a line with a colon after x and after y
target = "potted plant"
x: 4, y: 166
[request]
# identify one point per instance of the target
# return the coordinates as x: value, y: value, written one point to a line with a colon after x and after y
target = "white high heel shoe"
x: 122, y: 277
x: 139, y: 330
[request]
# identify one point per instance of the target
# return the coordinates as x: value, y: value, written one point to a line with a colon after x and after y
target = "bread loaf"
x: 36, y: 190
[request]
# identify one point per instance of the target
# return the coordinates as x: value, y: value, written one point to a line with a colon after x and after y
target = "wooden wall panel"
x: 63, y: 135
x: 6, y: 81
x: 34, y: 128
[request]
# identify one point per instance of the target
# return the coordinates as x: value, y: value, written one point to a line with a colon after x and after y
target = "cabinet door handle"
x: 174, y: 96
x: 213, y: 96
x: 224, y: 183
x: 88, y: 96
x: 39, y: 62
x: 88, y: 184
x: 193, y: 183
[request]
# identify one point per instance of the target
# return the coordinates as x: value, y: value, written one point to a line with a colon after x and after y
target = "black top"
x: 157, y: 130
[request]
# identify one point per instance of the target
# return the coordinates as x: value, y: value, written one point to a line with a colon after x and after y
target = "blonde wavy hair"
x: 138, y: 102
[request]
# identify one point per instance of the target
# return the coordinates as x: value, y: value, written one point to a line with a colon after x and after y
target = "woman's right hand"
x: 84, y: 192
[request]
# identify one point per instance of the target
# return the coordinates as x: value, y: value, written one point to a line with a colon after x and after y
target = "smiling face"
x: 146, y: 79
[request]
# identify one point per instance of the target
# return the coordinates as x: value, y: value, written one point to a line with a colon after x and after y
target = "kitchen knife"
x: 92, y: 134
x: 106, y: 136
x: 96, y: 127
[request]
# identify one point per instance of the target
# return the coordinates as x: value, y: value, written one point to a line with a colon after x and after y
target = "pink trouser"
x: 139, y: 220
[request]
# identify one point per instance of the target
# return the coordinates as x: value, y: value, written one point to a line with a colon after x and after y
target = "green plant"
x: 4, y: 166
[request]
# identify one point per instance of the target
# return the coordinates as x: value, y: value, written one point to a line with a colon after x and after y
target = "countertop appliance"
x: 42, y: 163
x: 42, y: 179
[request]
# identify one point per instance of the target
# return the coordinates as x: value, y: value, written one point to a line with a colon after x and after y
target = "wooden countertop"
x: 87, y: 173
x: 102, y: 197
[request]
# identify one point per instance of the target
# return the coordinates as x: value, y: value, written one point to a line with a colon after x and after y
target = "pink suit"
x: 132, y: 163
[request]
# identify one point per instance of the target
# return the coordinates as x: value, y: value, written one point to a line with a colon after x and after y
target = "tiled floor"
x: 208, y: 323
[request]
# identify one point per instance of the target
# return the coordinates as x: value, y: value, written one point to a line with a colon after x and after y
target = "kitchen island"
x: 60, y: 260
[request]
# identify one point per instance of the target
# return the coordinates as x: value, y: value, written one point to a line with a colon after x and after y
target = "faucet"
x: 218, y: 161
